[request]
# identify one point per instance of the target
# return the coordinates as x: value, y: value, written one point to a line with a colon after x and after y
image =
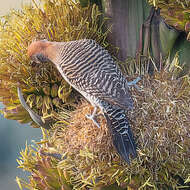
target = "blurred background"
x: 6, y: 5
x: 13, y: 136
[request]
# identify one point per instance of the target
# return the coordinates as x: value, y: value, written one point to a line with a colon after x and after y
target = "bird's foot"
x: 134, y: 83
x: 92, y: 117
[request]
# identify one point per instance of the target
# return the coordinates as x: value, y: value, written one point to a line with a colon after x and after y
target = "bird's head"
x: 42, y: 51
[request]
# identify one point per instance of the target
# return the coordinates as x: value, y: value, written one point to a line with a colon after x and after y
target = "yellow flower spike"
x: 47, y: 90
x: 30, y: 100
x: 64, y: 91
x: 54, y: 90
x: 56, y: 102
x: 39, y: 101
x: 44, y: 109
x: 47, y: 102
x: 18, y: 180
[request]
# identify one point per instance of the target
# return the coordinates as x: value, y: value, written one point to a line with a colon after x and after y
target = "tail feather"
x: 125, y: 145
x: 122, y: 135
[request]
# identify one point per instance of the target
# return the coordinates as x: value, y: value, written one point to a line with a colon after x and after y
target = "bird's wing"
x: 91, y: 69
x: 108, y: 83
x: 105, y: 80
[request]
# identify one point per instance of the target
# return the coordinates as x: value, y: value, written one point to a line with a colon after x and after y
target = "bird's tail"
x: 122, y: 135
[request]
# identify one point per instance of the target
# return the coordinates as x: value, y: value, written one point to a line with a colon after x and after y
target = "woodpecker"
x: 90, y: 69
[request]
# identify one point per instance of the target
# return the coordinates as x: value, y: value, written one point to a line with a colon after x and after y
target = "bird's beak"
x: 40, y: 58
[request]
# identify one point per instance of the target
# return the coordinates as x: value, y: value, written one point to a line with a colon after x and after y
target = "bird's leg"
x: 92, y: 117
x: 134, y: 83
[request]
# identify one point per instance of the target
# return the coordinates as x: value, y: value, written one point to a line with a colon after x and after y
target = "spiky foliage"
x: 44, y: 89
x: 160, y: 121
x: 175, y: 12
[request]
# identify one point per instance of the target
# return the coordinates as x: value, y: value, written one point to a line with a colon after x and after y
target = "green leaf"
x: 126, y: 19
x: 182, y: 46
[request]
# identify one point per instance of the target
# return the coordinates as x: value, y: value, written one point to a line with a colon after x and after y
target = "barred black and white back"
x: 90, y: 69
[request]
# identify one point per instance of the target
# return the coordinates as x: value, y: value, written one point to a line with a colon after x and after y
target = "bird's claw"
x: 134, y: 83
x: 92, y: 117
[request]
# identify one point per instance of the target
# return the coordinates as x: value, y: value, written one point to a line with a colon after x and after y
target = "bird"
x: 92, y: 71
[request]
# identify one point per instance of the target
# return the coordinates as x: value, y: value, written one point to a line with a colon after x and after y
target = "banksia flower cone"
x: 87, y: 158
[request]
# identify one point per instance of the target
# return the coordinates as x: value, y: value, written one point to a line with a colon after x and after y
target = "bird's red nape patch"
x: 36, y: 47
x: 42, y: 47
